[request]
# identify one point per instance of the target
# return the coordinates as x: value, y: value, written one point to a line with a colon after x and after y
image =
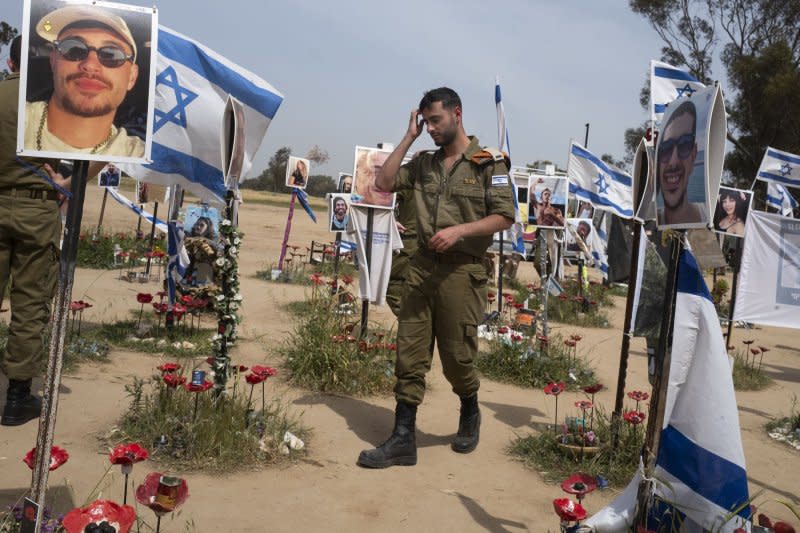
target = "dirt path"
x: 326, y: 491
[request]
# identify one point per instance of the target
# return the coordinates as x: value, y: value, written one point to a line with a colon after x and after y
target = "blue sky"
x: 351, y: 71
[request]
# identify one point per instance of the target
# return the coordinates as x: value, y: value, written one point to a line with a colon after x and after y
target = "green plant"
x: 787, y: 429
x: 527, y: 362
x: 746, y: 374
x: 79, y: 350
x: 175, y: 342
x: 96, y: 250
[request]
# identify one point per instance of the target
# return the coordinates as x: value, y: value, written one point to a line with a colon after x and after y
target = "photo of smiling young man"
x: 87, y: 81
x: 680, y: 170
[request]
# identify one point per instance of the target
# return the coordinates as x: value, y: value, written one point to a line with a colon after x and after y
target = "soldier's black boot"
x: 401, y: 448
x: 469, y: 425
x: 21, y: 405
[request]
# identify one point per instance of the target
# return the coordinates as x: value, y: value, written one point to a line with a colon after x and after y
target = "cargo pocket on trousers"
x: 470, y: 350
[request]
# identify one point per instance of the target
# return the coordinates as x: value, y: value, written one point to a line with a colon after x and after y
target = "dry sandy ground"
x: 326, y: 491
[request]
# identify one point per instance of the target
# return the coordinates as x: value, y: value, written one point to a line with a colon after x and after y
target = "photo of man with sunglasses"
x: 93, y: 58
x: 676, y: 157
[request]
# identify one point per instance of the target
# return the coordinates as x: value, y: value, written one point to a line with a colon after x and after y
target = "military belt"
x: 33, y: 194
x: 450, y: 258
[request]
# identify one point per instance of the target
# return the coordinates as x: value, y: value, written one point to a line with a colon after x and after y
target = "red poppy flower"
x: 119, y: 517
x: 579, y: 484
x: 204, y: 386
x: 169, y: 367
x: 144, y: 297
x: 502, y: 330
x: 179, y: 308
x: 187, y: 299
x: 392, y: 346
x: 491, y: 296
x: 239, y: 368
x: 146, y: 494
x: 516, y: 337
x: 162, y: 294
x: 593, y: 389
x: 542, y: 339
x: 58, y: 456
x: 531, y: 287
x: 173, y: 380
x: 576, y: 338
x: 755, y: 351
x: 583, y: 405
x: 568, y: 510
x: 638, y: 395
x: 127, y: 454
x: 569, y: 343
x: 255, y: 379
x: 518, y: 305
x: 347, y: 280
x: 554, y: 388
x: 351, y: 338
x: 782, y: 527
x: 159, y: 308
x: 75, y: 306
x: 337, y: 338
x: 267, y: 371
x: 563, y: 297
x: 748, y: 342
x: 763, y: 349
x: 633, y: 417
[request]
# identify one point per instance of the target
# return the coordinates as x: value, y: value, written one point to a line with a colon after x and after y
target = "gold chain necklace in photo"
x: 43, y: 121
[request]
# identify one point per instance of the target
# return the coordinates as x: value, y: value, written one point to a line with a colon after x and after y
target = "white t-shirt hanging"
x: 373, y: 282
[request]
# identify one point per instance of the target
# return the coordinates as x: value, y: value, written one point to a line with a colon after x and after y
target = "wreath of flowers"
x: 227, y: 301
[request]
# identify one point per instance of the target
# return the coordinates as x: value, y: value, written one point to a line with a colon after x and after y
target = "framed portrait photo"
x: 547, y: 201
x: 730, y: 214
x: 109, y: 176
x: 87, y: 80
x: 338, y: 212
x: 345, y: 183
x: 368, y: 165
x: 297, y: 170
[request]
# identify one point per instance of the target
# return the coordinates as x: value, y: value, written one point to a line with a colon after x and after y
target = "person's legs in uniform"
x: 397, y: 280
x: 458, y: 303
x: 29, y: 256
x: 414, y: 343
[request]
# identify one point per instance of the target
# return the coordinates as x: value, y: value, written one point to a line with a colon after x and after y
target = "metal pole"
x: 139, y: 222
x: 47, y: 419
x: 368, y: 251
x: 660, y: 386
x: 102, y: 210
x: 586, y: 139
x: 152, y: 237
x: 336, y: 244
x: 737, y: 260
x: 501, y: 263
x: 288, y: 229
x: 545, y: 281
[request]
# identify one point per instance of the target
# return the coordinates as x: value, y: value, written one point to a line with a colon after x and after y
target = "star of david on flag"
x: 192, y: 88
x: 593, y: 180
x: 777, y: 166
x: 780, y: 198
x: 668, y: 83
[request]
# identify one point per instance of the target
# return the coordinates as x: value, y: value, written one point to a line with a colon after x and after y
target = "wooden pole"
x: 368, y: 251
x: 102, y: 209
x: 336, y: 244
x: 288, y: 229
x: 737, y: 260
x: 66, y: 278
x: 152, y: 238
x: 501, y: 261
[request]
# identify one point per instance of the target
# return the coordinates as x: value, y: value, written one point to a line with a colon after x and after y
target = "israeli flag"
x: 668, y: 83
x: 780, y: 167
x: 116, y: 195
x: 178, y: 259
x: 192, y: 87
x: 517, y: 229
x: 605, y: 186
x: 700, y: 467
x: 780, y: 198
x: 599, y: 248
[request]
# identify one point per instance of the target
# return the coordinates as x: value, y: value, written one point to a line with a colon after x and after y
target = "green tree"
x: 320, y: 185
x: 7, y: 34
x: 273, y: 178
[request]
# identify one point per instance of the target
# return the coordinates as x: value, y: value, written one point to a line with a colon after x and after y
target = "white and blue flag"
x: 700, y: 476
x: 781, y: 199
x: 192, y: 88
x: 116, y: 195
x: 599, y: 246
x: 780, y: 167
x: 668, y: 83
x: 517, y: 229
x: 593, y: 180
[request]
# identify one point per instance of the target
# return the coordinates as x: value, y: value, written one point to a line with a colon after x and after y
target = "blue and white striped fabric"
x: 700, y: 467
x: 178, y: 259
x: 780, y: 167
x: 115, y: 194
x: 303, y: 198
x: 517, y: 229
x: 592, y: 180
x: 599, y: 248
x: 668, y: 83
x: 781, y: 199
x: 192, y: 87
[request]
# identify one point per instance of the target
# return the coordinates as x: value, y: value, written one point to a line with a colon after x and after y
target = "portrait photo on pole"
x: 338, y: 211
x: 202, y: 221
x: 345, y: 183
x: 297, y: 170
x: 689, y: 155
x: 547, y: 201
x: 87, y: 80
x: 368, y: 165
x: 109, y: 176
x: 730, y: 213
x: 585, y: 231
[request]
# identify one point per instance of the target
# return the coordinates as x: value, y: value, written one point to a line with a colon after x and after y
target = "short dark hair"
x: 686, y: 108
x: 448, y: 97
x: 16, y: 51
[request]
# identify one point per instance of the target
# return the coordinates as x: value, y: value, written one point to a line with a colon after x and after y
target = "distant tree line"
x: 273, y: 178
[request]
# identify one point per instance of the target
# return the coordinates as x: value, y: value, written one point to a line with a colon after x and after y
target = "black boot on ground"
x: 469, y: 426
x: 401, y: 448
x: 21, y: 405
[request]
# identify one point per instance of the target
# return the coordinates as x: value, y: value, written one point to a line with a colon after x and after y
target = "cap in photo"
x: 51, y: 25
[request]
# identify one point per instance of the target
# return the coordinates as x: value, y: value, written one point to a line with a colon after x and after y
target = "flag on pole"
x: 192, y: 88
x: 303, y: 198
x: 177, y: 259
x: 593, y: 180
x: 780, y: 198
x: 780, y: 167
x: 516, y: 231
x: 599, y: 247
x: 116, y: 195
x: 700, y: 468
x: 668, y: 83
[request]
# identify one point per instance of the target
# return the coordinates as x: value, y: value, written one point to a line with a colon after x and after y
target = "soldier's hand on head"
x: 416, y: 124
x: 445, y: 239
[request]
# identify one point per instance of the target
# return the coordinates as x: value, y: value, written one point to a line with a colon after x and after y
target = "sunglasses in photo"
x: 684, y: 143
x: 74, y: 49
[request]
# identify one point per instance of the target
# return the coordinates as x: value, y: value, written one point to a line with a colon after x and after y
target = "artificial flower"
x: 568, y: 510
x: 593, y: 389
x: 146, y: 494
x: 633, y: 417
x: 144, y: 297
x: 638, y: 395
x: 127, y: 454
x: 192, y: 387
x: 583, y: 405
x: 58, y: 456
x: 255, y: 379
x: 105, y: 514
x: 554, y: 388
x: 267, y: 371
x: 579, y: 485
x: 168, y: 367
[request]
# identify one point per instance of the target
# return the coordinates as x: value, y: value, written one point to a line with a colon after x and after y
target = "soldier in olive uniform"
x: 462, y: 196
x: 407, y: 224
x: 30, y: 227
